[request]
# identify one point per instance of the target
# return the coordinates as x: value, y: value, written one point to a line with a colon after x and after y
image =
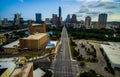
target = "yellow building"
x: 34, y: 42
x: 37, y: 28
x: 2, y: 39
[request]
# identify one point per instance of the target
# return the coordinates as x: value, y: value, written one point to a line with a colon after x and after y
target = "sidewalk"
x: 70, y: 50
x: 38, y: 57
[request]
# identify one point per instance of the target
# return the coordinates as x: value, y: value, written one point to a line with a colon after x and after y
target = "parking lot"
x: 98, y: 66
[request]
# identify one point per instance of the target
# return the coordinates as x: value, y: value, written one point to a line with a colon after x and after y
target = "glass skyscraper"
x: 102, y: 19
x: 60, y: 13
x: 38, y: 17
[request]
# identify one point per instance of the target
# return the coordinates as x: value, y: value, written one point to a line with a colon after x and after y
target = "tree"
x: 7, y: 35
x: 90, y: 73
x: 82, y: 64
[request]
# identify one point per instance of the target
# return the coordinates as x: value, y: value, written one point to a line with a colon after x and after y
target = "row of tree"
x: 94, y: 34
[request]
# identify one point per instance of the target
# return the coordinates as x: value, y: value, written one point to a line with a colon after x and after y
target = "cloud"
x: 79, y: 15
x: 107, y: 0
x: 95, y: 0
x: 110, y: 12
x: 83, y: 10
x: 21, y: 1
x: 111, y: 6
x: 93, y: 12
x: 86, y: 12
x: 87, y: 0
x: 112, y: 1
x: 101, y: 4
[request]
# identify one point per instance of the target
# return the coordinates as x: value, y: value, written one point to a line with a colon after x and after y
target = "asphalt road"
x: 63, y: 66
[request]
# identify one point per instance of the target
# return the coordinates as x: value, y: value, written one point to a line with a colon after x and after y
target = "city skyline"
x: 82, y: 8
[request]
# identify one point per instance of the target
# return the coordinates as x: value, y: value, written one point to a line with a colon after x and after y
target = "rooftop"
x: 12, y: 45
x: 6, y: 66
x: 13, y: 59
x: 112, y: 51
x: 51, y: 44
x: 2, y: 70
x: 38, y: 73
x: 22, y: 72
x: 36, y: 24
x: 36, y: 36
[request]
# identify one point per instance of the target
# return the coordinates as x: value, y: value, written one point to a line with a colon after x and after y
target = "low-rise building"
x: 16, y: 67
x: 6, y: 68
x: 26, y: 70
x: 12, y: 47
x: 34, y: 42
x: 51, y: 44
x: 38, y: 73
x: 112, y: 52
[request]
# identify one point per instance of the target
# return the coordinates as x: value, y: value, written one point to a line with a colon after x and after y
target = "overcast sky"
x: 82, y: 8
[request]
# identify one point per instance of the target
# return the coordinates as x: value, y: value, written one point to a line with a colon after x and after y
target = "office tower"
x: 5, y: 22
x: 68, y: 18
x: 21, y: 21
x: 47, y: 20
x: 73, y: 19
x: 59, y: 19
x: 60, y: 13
x: 87, y: 22
x: 30, y: 21
x: 0, y: 22
x: 54, y: 19
x: 102, y: 19
x: 17, y: 19
x: 38, y: 18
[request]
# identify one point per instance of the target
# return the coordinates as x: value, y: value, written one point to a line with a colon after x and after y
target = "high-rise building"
x: 17, y: 19
x: 59, y: 19
x: 102, y: 19
x: 60, y: 11
x: 73, y: 19
x: 38, y: 18
x: 54, y: 19
x: 30, y: 21
x: 68, y: 18
x: 5, y: 22
x: 87, y: 22
x: 0, y: 22
x: 47, y: 20
x: 21, y: 21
